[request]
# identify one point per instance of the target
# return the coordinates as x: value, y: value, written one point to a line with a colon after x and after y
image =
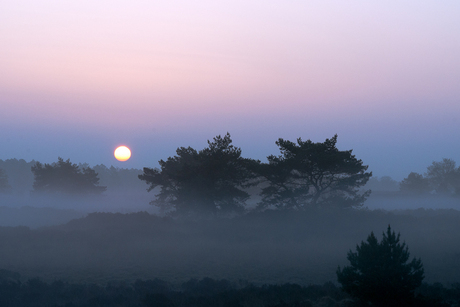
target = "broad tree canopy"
x: 309, y: 174
x: 206, y: 181
x: 65, y: 177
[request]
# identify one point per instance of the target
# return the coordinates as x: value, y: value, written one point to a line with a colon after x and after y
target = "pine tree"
x: 314, y: 175
x: 380, y: 273
x: 211, y: 180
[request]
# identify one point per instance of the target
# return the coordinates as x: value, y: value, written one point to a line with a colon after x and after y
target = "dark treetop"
x: 381, y: 273
x: 308, y: 174
x: 65, y: 177
x: 207, y: 181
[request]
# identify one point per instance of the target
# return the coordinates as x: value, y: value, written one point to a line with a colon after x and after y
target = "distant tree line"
x: 441, y: 178
x: 217, y: 179
x: 65, y: 177
x: 18, y: 178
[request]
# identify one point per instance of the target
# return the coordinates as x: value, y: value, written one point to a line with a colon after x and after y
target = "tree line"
x: 65, y: 177
x: 217, y: 178
x: 304, y: 175
x: 17, y: 178
x: 441, y: 178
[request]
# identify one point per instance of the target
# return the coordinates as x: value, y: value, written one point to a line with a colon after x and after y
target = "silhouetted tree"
x: 310, y: 174
x: 380, y: 274
x: 444, y: 177
x: 65, y: 177
x: 210, y: 180
x: 414, y: 184
x: 4, y: 185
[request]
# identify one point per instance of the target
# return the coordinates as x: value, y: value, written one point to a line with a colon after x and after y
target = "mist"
x: 264, y: 248
x: 21, y: 206
x: 119, y: 236
x: 47, y: 210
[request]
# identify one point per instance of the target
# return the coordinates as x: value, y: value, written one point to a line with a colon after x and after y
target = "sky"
x: 79, y: 78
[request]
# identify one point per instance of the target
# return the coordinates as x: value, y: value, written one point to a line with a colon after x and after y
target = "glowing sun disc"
x: 122, y: 153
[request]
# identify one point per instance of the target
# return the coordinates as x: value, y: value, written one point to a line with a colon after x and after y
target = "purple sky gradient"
x: 79, y: 78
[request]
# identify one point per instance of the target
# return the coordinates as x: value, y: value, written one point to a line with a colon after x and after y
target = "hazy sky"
x: 78, y: 78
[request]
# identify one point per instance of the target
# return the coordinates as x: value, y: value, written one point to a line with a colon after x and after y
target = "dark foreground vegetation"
x: 204, y: 292
x: 194, y: 292
x: 271, y: 247
x: 381, y: 273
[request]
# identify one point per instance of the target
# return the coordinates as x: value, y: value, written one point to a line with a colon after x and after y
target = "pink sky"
x: 159, y: 75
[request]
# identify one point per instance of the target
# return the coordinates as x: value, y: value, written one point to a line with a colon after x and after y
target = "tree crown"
x: 65, y: 177
x: 313, y: 174
x: 210, y: 180
x: 381, y: 273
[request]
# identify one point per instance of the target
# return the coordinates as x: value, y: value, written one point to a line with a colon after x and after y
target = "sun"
x: 122, y: 153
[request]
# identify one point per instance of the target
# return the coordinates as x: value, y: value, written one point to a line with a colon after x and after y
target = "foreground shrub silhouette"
x: 380, y: 274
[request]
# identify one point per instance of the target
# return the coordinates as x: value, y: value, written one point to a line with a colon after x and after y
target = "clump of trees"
x: 216, y: 179
x: 65, y: 177
x: 18, y: 179
x: 381, y: 274
x: 441, y: 178
x: 414, y: 184
x: 207, y: 181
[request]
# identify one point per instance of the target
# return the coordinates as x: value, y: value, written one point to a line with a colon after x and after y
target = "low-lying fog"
x: 270, y: 247
x: 65, y: 239
x: 46, y: 210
